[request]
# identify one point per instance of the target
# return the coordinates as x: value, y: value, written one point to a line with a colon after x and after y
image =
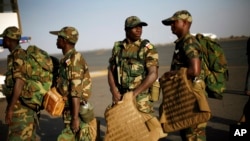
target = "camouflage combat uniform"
x: 246, y: 109
x: 22, y: 126
x: 247, y: 82
x: 132, y: 63
x: 74, y: 81
x: 187, y: 48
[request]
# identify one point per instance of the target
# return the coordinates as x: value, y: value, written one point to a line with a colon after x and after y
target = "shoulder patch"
x: 68, y: 62
x: 117, y: 43
x: 149, y: 46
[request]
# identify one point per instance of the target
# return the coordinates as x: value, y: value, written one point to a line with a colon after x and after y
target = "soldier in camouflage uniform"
x: 20, y: 118
x: 246, y: 110
x: 74, y: 84
x: 187, y: 54
x: 133, y: 67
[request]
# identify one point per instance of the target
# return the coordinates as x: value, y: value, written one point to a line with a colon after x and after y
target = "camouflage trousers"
x: 87, y: 131
x: 144, y: 104
x: 194, y: 133
x: 197, y: 132
x: 22, y: 127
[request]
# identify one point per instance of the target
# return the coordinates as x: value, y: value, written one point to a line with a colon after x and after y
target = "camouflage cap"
x: 179, y: 15
x: 68, y: 33
x: 12, y: 32
x: 133, y: 21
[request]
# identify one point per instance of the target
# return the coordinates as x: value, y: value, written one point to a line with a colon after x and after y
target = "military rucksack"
x: 38, y: 71
x: 216, y: 68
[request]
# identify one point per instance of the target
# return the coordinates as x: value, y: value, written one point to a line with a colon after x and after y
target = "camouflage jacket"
x: 186, y: 48
x: 132, y: 62
x: 74, y: 78
x: 15, y: 63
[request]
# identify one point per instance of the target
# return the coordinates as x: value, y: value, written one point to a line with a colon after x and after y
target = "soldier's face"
x: 60, y: 42
x: 177, y: 27
x: 6, y: 42
x: 134, y: 33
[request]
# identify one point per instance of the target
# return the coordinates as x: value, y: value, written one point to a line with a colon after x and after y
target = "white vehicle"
x: 2, y: 78
x: 211, y: 35
x: 9, y: 15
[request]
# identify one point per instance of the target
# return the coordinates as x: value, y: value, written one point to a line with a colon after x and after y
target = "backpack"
x: 216, y: 68
x: 38, y: 71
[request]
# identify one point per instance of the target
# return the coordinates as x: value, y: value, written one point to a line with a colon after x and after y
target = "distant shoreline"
x: 226, y: 39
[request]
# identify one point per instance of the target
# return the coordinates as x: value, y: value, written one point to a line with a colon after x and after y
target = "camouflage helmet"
x: 133, y: 21
x: 179, y: 15
x: 69, y: 33
x: 12, y: 32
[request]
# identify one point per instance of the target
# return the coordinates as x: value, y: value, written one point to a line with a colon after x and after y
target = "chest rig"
x: 130, y: 65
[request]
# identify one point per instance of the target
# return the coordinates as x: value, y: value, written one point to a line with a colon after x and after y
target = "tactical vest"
x: 131, y: 67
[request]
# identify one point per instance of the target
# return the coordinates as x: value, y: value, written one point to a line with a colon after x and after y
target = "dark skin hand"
x: 75, y: 122
x: 114, y: 91
x: 247, y: 93
x: 147, y: 82
x: 16, y: 94
x: 193, y: 70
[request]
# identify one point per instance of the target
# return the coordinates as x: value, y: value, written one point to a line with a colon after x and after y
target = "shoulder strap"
x: 117, y: 47
x: 144, y: 43
x: 201, y: 39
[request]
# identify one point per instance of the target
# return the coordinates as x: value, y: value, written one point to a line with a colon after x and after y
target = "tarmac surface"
x: 224, y: 112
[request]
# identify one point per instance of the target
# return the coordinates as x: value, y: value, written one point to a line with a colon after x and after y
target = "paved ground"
x: 225, y: 112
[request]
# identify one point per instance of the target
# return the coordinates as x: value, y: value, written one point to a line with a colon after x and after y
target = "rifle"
x: 117, y: 74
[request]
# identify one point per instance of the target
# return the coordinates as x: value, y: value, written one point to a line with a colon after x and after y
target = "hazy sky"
x: 101, y: 22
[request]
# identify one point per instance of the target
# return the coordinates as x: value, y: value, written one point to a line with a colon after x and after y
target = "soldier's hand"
x: 247, y: 93
x: 116, y: 97
x: 8, y: 116
x: 169, y: 74
x: 75, y: 125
